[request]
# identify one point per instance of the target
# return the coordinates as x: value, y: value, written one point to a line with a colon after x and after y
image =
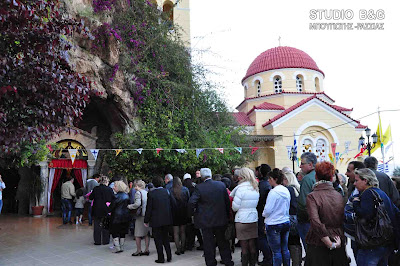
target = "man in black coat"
x: 210, y: 204
x: 159, y: 216
x: 100, y: 196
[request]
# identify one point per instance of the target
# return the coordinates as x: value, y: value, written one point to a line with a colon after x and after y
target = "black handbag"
x: 377, y: 231
x: 139, y: 209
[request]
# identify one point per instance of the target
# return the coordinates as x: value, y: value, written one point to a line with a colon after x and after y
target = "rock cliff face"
x: 114, y: 99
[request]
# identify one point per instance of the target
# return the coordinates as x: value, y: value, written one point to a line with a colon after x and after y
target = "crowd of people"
x: 273, y: 214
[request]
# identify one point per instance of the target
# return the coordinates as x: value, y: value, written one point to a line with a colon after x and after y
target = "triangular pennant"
x: 341, y: 160
x: 139, y: 150
x: 274, y: 148
x: 50, y: 148
x: 158, y: 150
x: 72, y: 154
x: 239, y: 149
x: 117, y: 151
x: 254, y: 149
x: 221, y: 150
x: 181, y: 150
x: 95, y: 153
x: 289, y: 151
x: 198, y: 151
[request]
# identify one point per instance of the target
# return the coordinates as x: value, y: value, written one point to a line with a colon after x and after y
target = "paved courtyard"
x: 45, y: 241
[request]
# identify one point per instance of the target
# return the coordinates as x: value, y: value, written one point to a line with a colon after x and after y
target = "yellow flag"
x: 117, y: 151
x: 378, y: 144
x: 388, y: 135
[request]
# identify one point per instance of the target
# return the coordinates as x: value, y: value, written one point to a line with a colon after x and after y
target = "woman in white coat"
x: 245, y: 200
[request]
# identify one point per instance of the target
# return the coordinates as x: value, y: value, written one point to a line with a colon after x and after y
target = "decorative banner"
x: 348, y: 160
x: 333, y: 147
x: 72, y: 153
x: 181, y: 150
x: 331, y: 157
x: 254, y: 149
x: 198, y: 151
x: 139, y: 150
x: 289, y: 151
x: 158, y: 150
x: 221, y: 150
x: 341, y: 160
x: 239, y: 149
x: 117, y: 151
x: 337, y: 158
x: 95, y: 153
x: 360, y: 153
x: 274, y: 148
x: 50, y: 148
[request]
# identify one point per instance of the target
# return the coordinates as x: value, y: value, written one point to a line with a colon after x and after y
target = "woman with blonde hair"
x: 141, y: 231
x: 120, y: 217
x: 245, y: 200
x: 291, y: 180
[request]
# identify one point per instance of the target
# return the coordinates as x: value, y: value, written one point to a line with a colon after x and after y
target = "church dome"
x: 281, y: 57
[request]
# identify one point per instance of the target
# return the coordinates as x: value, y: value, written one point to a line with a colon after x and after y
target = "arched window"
x: 317, y: 88
x: 299, y: 83
x: 245, y: 91
x: 277, y: 84
x: 258, y: 83
x: 168, y: 9
x: 321, y: 150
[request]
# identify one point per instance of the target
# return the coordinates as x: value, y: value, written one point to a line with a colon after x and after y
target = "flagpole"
x: 381, y: 140
x: 391, y: 140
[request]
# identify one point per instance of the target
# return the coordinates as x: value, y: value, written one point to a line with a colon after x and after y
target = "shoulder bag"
x: 378, y: 231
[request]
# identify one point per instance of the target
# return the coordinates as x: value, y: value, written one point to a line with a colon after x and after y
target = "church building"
x: 285, y: 106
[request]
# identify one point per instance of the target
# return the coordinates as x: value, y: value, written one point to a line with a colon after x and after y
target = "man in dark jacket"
x: 101, y: 195
x: 159, y: 216
x: 385, y: 183
x: 264, y: 188
x: 210, y: 204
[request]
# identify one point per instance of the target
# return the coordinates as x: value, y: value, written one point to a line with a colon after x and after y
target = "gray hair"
x: 205, y: 172
x: 169, y: 177
x: 371, y: 163
x: 369, y: 175
x: 236, y: 173
x: 309, y: 157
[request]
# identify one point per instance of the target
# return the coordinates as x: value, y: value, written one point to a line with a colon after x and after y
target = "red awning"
x: 67, y: 164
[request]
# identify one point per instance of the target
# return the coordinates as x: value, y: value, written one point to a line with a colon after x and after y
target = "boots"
x: 117, y: 247
x: 245, y: 259
x: 295, y: 254
x: 121, y: 243
x: 253, y: 259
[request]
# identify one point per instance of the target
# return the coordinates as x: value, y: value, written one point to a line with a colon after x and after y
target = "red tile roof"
x: 287, y: 92
x: 266, y: 106
x: 242, y: 119
x: 297, y: 105
x: 281, y: 57
x: 342, y: 109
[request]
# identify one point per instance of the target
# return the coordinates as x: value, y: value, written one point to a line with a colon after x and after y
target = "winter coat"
x: 119, y: 208
x: 245, y: 200
x: 277, y: 207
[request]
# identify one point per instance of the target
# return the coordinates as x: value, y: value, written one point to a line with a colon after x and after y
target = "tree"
x: 39, y: 92
x: 177, y: 106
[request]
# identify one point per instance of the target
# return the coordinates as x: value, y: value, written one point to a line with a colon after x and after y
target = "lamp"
x: 367, y: 132
x: 374, y: 138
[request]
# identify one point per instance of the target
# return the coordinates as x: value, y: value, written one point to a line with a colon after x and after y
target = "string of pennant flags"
x: 95, y: 152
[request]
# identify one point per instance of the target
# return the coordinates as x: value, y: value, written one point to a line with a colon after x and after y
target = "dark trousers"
x: 209, y: 245
x: 161, y: 240
x: 100, y: 235
x: 263, y: 243
x: 90, y: 213
x: 199, y: 236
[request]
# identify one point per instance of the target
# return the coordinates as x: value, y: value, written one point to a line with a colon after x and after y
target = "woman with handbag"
x: 120, y: 217
x: 102, y: 196
x: 291, y: 183
x: 141, y: 231
x: 376, y: 223
x: 245, y: 199
x: 326, y: 213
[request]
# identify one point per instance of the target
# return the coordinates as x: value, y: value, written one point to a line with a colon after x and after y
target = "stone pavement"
x: 45, y: 241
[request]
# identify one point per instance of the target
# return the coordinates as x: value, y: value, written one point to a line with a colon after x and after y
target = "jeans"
x: 278, y: 236
x: 262, y: 242
x: 373, y: 257
x: 1, y: 205
x: 90, y: 213
x: 303, y: 230
x: 66, y: 207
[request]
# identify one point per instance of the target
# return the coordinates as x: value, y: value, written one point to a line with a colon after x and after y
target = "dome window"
x: 258, y: 88
x: 317, y: 88
x: 299, y: 83
x: 277, y: 84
